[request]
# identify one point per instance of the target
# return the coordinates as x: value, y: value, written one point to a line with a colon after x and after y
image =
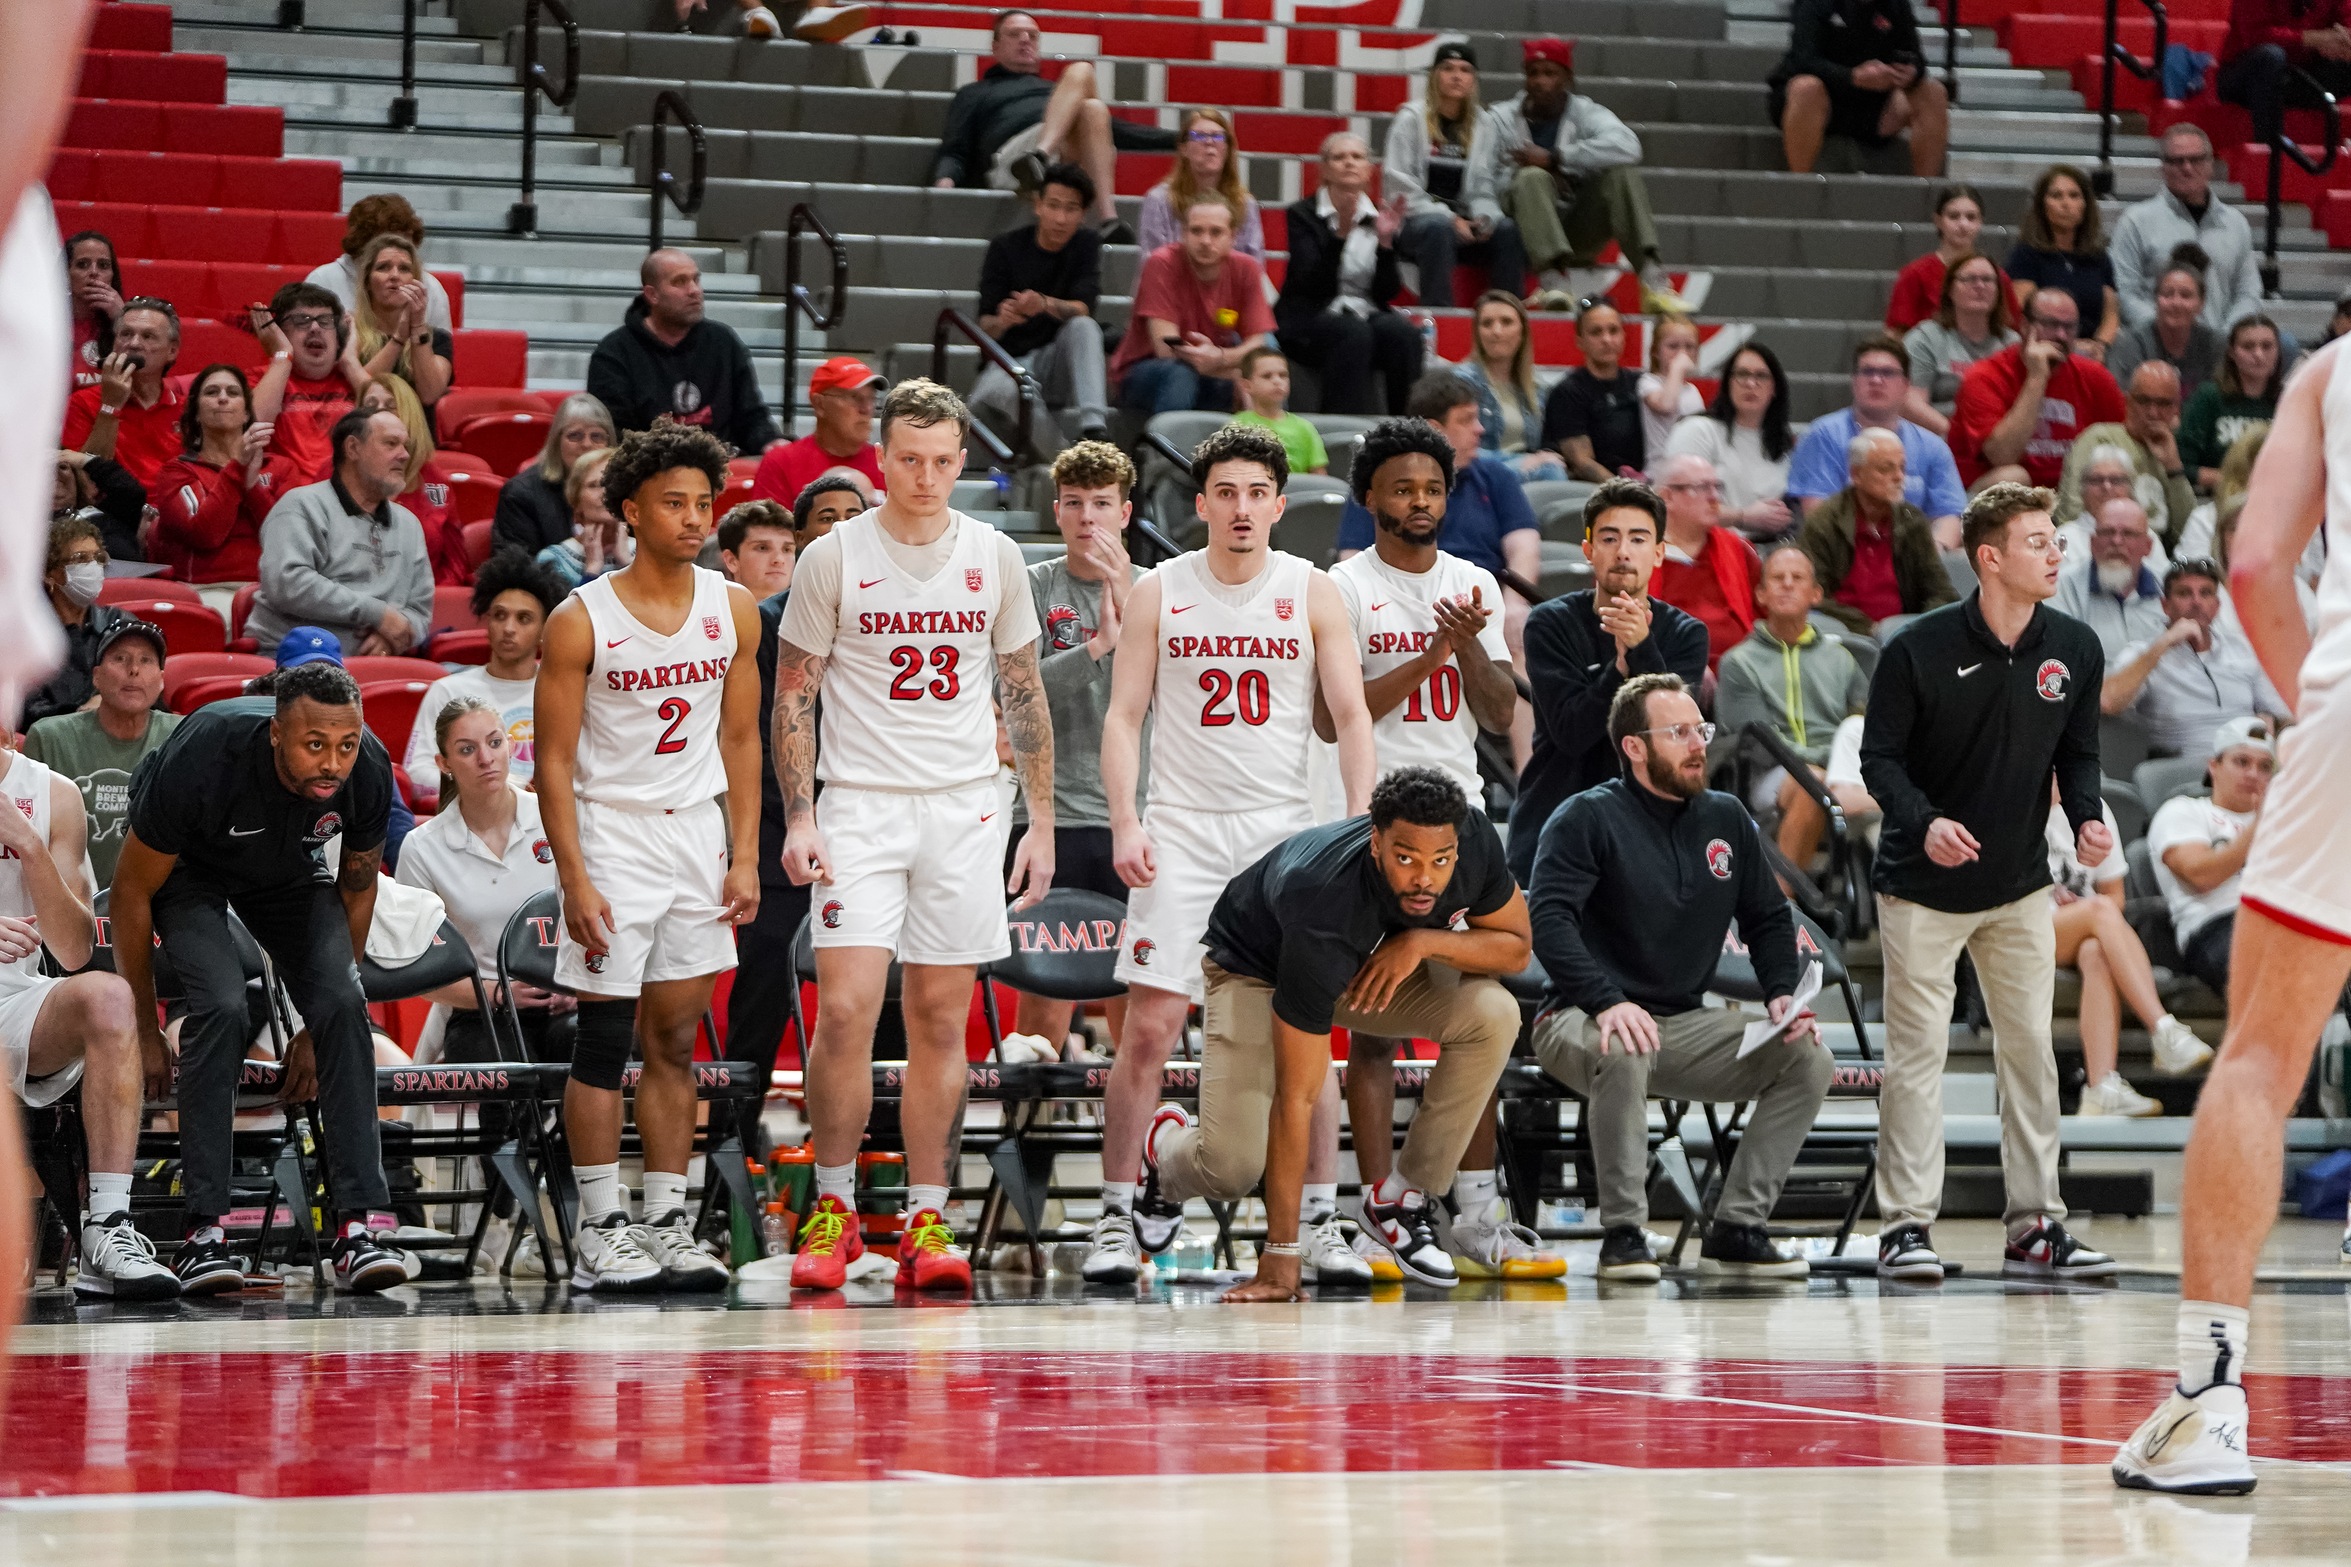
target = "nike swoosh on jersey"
x: 876, y: 582
x: 1969, y: 670
x: 1376, y: 608
x: 1177, y: 609
x: 246, y: 832
x: 991, y: 816
x: 617, y: 642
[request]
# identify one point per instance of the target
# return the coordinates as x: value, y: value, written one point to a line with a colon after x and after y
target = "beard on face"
x: 1668, y: 779
x: 1417, y: 526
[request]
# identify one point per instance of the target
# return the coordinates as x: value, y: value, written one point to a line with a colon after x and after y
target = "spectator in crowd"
x: 825, y: 504
x: 841, y: 392
x: 2282, y: 54
x: 1039, y: 288
x: 1198, y: 308
x: 667, y: 359
x: 815, y: 24
x: 2200, y: 535
x: 756, y: 547
x: 2240, y: 395
x: 2196, y: 674
x: 104, y: 491
x: 1582, y: 647
x: 2199, y: 843
x: 424, y: 489
x: 1501, y: 368
x: 75, y: 576
x: 1961, y: 766
x: 1593, y: 416
x: 1744, y: 434
x: 2060, y: 245
x: 1006, y: 128
x: 1854, y: 69
x: 2107, y: 476
x: 512, y: 597
x: 1334, y: 310
x: 314, y: 378
x: 1432, y: 143
x: 2113, y: 592
x: 94, y: 279
x: 599, y: 542
x: 345, y: 555
x: 389, y: 325
x: 133, y: 414
x: 1667, y: 397
x: 2185, y: 212
x: 211, y: 499
x: 1873, y: 553
x: 2019, y: 411
x: 1635, y: 886
x: 1881, y: 384
x: 98, y: 748
x: 1970, y: 324
x: 1800, y: 684
x: 1706, y: 569
x: 1568, y: 173
x: 1918, y: 287
x: 1208, y: 163
x: 2149, y: 434
x: 1265, y: 389
x: 2174, y: 332
x: 371, y: 217
x: 532, y: 512
x: 2340, y: 321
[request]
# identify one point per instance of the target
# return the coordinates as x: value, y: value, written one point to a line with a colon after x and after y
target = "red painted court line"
x: 361, y: 1424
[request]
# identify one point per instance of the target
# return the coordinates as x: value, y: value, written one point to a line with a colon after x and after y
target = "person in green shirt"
x: 1265, y: 385
x: 2243, y: 394
x: 100, y: 746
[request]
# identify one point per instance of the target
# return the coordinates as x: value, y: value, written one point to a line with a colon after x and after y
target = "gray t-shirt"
x: 1077, y: 693
x: 100, y: 766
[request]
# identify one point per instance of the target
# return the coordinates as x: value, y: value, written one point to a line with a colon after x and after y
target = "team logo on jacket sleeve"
x: 2050, y: 680
x: 1718, y: 859
x: 542, y: 851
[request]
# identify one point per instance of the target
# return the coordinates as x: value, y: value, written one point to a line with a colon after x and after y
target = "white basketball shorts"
x: 2299, y: 872
x: 665, y: 876
x: 1197, y: 852
x: 20, y: 1006
x: 919, y: 874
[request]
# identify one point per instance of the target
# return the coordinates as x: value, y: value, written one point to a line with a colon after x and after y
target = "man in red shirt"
x: 133, y: 414
x: 841, y: 391
x: 2019, y: 411
x: 1708, y: 571
x: 1873, y: 553
x: 2271, y: 39
x: 313, y: 377
x: 1198, y: 309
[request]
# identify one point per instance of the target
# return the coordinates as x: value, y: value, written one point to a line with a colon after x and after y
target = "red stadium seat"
x: 452, y: 284
x: 468, y: 646
x: 183, y: 670
x: 125, y: 590
x: 153, y: 78
x: 131, y: 27
x: 280, y: 184
x: 211, y: 233
x: 186, y: 627
x: 451, y: 460
x: 487, y: 358
x: 216, y: 342
x: 453, y: 609
x: 509, y: 441
x: 131, y: 227
x: 477, y: 543
x: 389, y: 708
x: 367, y: 667
x: 307, y: 238
x: 240, y: 607
x: 473, y: 497
x: 194, y: 694
x: 462, y: 403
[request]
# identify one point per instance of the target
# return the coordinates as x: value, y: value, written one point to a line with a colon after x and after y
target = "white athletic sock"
x: 599, y: 1191
x: 932, y: 1197
x: 2212, y: 1344
x: 664, y: 1193
x: 1318, y: 1201
x: 110, y: 1196
x: 1473, y: 1192
x: 1118, y: 1196
x: 838, y: 1181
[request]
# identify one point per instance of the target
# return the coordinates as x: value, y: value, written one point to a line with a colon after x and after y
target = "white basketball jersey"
x: 2330, y: 649
x: 23, y: 787
x: 649, y: 727
x: 1233, y: 710
x: 909, y: 692
x: 1390, y: 611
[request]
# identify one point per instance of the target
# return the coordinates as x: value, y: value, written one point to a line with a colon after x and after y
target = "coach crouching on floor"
x: 1635, y: 886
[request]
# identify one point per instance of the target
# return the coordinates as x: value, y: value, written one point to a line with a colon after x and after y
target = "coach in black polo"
x: 236, y: 811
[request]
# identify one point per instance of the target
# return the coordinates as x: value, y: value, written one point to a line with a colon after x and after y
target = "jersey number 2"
x: 909, y: 686
x: 671, y: 742
x: 1250, y: 693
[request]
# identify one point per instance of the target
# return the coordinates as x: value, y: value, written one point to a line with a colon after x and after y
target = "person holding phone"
x: 1199, y: 309
x: 1853, y: 69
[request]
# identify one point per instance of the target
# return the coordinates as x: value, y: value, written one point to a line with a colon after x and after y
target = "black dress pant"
x: 760, y: 1005
x: 2261, y: 81
x: 1348, y: 348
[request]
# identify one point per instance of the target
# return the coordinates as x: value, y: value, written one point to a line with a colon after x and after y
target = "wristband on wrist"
x: 109, y: 410
x: 1281, y: 1249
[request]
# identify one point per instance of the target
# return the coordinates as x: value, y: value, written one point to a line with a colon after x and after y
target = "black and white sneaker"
x: 1406, y: 1230
x: 1625, y: 1257
x: 2046, y: 1251
x: 119, y: 1262
x: 362, y: 1267
x: 1157, y: 1221
x: 1745, y: 1251
x: 204, y: 1266
x: 685, y: 1265
x: 1905, y: 1253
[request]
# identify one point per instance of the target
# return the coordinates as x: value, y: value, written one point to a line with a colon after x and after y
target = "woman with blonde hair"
x: 532, y: 512
x: 598, y: 542
x: 1432, y: 143
x: 1501, y: 369
x: 1208, y: 163
x: 388, y: 318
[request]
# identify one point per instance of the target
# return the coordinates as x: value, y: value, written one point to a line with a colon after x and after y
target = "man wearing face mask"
x: 76, y: 573
x: 2113, y: 592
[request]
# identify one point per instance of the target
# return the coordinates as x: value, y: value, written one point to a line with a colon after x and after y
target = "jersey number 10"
x: 1444, y: 690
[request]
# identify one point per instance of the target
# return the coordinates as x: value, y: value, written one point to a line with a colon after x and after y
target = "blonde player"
x: 909, y: 617
x: 1228, y: 649
x: 647, y: 711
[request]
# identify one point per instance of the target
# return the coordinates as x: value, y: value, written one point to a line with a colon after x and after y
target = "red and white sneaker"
x: 829, y: 1242
x: 928, y: 1258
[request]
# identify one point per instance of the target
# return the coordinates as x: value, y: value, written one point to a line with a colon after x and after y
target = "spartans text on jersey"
x: 692, y: 671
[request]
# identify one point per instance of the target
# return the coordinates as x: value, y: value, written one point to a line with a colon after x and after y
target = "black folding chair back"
x: 1066, y: 948
x: 448, y: 961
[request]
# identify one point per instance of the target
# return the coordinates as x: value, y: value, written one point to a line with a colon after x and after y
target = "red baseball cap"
x: 1559, y: 51
x: 845, y: 374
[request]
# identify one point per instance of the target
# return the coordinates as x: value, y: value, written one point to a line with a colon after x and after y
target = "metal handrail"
x: 2117, y: 53
x: 2281, y: 147
x: 403, y: 116
x: 1142, y: 530
x: 798, y: 301
x: 523, y: 217
x: 1838, y: 922
x: 664, y: 182
x: 1950, y: 10
x: 954, y: 323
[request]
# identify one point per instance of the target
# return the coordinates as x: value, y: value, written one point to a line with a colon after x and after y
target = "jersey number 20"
x: 1250, y: 693
x: 909, y: 686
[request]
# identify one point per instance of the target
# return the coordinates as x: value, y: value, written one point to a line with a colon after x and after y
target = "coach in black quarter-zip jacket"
x: 1971, y: 711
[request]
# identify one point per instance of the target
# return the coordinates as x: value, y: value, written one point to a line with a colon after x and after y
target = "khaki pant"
x: 2015, y: 952
x: 1697, y: 1059
x: 1473, y: 1018
x: 1612, y: 204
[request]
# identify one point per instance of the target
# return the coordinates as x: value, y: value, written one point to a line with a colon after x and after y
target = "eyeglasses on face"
x: 1205, y: 137
x: 1685, y: 734
x: 305, y: 320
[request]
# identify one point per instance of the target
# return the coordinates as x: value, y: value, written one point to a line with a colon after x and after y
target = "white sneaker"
x: 1330, y: 1255
x: 119, y: 1261
x: 2191, y: 1446
x: 1375, y: 1256
x: 1490, y: 1246
x: 829, y: 24
x: 1114, y: 1255
x: 2112, y: 1096
x: 610, y: 1256
x: 685, y: 1266
x: 760, y: 22
x: 2177, y: 1050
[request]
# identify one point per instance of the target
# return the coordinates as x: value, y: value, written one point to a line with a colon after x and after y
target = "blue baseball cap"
x: 309, y: 645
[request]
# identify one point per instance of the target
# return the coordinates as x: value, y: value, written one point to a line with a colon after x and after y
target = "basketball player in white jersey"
x: 648, y: 711
x: 910, y: 618
x: 2292, y: 947
x: 56, y: 1032
x: 1436, y: 670
x: 1228, y: 648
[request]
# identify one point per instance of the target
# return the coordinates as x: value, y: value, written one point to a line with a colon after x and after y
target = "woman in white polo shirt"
x: 485, y: 856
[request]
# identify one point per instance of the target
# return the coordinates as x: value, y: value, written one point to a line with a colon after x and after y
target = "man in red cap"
x: 842, y: 392
x: 1567, y: 171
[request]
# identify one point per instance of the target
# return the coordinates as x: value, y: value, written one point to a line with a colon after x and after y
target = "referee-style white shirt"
x: 481, y: 890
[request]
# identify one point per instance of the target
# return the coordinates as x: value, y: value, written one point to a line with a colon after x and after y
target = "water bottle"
x: 1428, y: 331
x: 775, y: 1231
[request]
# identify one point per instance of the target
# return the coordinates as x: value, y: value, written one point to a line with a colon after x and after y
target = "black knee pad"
x: 607, y: 1035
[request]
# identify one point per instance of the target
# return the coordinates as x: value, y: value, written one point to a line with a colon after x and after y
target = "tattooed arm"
x: 1030, y: 725
x: 356, y: 881
x: 792, y: 737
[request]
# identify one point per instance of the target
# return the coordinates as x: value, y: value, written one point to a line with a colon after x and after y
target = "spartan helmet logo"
x: 595, y: 962
x: 831, y: 914
x: 2050, y: 680
x: 1144, y: 947
x: 1718, y: 859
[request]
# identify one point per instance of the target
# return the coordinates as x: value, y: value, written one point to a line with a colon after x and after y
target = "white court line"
x: 123, y: 1501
